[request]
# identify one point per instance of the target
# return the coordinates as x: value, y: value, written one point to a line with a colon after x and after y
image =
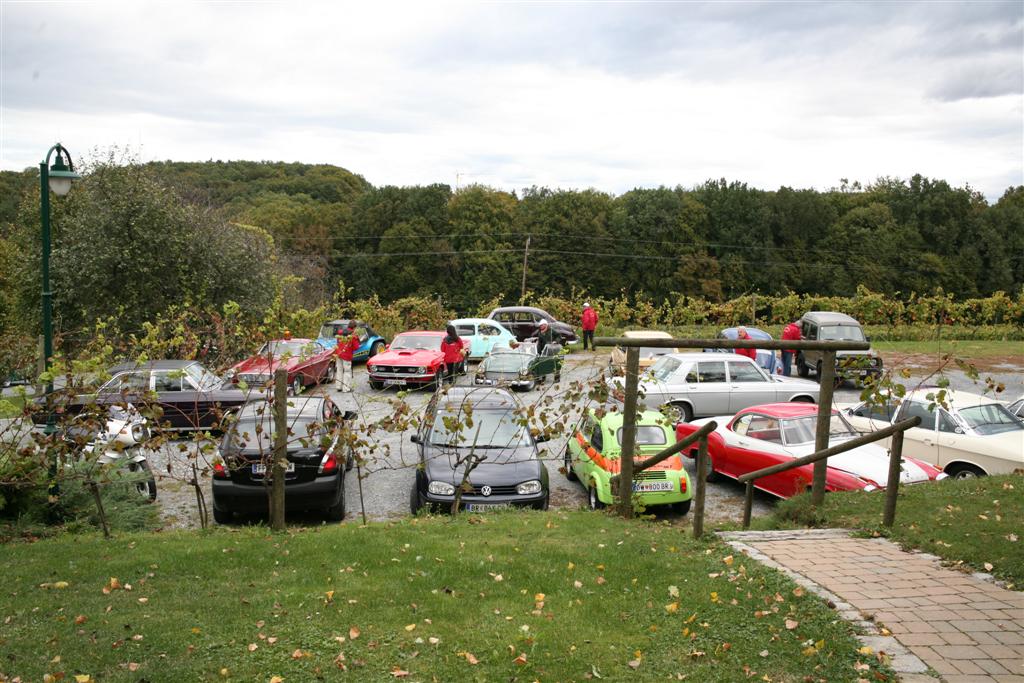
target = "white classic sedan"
x: 972, y: 436
x: 708, y: 384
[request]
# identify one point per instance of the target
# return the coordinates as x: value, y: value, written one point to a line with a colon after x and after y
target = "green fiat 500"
x: 595, y: 448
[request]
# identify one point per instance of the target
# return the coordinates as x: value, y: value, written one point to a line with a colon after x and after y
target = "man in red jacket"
x: 348, y: 342
x: 741, y: 333
x: 790, y: 332
x: 589, y: 325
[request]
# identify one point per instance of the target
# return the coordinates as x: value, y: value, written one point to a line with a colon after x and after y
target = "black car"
x: 510, y: 472
x: 188, y: 395
x: 317, y: 459
x: 524, y: 323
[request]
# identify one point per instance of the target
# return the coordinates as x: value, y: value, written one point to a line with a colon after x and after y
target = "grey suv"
x: 830, y: 326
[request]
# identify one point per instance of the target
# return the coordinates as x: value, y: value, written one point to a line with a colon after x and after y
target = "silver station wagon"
x: 706, y: 384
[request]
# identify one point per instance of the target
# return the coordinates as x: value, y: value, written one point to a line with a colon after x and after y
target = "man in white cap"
x: 589, y: 319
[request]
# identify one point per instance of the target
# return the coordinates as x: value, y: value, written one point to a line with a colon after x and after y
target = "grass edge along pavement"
x: 524, y: 596
x: 973, y: 524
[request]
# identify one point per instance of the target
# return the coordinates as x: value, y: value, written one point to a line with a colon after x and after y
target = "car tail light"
x: 329, y: 464
x: 219, y: 471
x: 682, y: 484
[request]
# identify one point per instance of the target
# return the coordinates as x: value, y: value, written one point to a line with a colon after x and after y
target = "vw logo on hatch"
x: 486, y: 490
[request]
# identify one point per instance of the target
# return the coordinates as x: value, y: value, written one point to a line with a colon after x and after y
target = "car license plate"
x: 260, y: 468
x: 480, y: 507
x: 394, y: 382
x: 648, y: 486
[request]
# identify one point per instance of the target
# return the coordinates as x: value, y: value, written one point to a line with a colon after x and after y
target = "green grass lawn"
x: 960, y: 348
x: 975, y: 523
x: 510, y: 597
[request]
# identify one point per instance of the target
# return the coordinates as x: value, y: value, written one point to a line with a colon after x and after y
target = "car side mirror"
x: 959, y: 430
x: 415, y: 438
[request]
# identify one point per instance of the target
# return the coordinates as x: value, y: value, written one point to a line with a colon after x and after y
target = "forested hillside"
x: 718, y: 240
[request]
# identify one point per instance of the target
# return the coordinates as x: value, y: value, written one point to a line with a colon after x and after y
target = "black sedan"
x: 317, y: 456
x: 524, y: 323
x: 480, y: 431
x: 175, y: 394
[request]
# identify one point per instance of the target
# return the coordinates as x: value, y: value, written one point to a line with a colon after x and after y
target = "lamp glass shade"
x: 60, y: 186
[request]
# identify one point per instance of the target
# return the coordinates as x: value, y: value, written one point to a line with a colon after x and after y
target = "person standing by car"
x: 790, y: 332
x: 741, y: 333
x: 454, y: 350
x: 544, y: 336
x: 348, y: 342
x: 589, y: 320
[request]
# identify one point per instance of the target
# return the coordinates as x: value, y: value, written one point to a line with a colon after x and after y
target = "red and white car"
x: 766, y: 435
x: 308, y: 362
x: 412, y: 359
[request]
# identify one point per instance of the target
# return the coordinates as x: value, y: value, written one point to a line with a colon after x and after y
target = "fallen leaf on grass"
x: 469, y: 657
x: 634, y: 664
x: 353, y: 633
x: 673, y: 591
x: 791, y: 624
x: 276, y: 679
x: 672, y: 607
x: 399, y: 673
x: 81, y: 619
x: 433, y: 641
x: 988, y: 566
x: 252, y: 647
x: 410, y: 627
x: 520, y: 660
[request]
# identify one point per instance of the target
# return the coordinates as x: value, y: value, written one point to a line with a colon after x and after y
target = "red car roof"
x: 783, y: 409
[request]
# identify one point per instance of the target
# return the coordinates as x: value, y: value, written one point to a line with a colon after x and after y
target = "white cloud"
x: 568, y: 95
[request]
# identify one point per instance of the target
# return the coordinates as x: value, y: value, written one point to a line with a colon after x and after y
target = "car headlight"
x: 528, y: 488
x: 421, y: 371
x: 140, y: 433
x: 441, y: 488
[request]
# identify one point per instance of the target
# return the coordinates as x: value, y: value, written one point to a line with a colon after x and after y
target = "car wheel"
x: 802, y: 369
x: 569, y: 474
x: 222, y: 516
x: 336, y: 512
x: 711, y: 475
x: 145, y: 487
x: 682, y: 507
x: 329, y: 377
x: 595, y: 502
x: 680, y: 412
x: 965, y: 472
x: 297, y: 385
x: 415, y: 504
x: 377, y: 347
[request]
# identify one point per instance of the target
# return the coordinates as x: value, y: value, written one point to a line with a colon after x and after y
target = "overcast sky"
x: 573, y: 95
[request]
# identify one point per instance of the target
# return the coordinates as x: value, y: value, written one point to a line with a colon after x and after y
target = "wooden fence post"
x: 892, y: 484
x: 698, y: 495
x: 629, y: 432
x: 748, y: 504
x: 826, y: 386
x: 280, y: 457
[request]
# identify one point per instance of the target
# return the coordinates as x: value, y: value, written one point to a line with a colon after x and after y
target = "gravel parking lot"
x: 388, y: 477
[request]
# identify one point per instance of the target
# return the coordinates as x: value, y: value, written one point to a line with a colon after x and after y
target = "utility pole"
x: 526, y: 256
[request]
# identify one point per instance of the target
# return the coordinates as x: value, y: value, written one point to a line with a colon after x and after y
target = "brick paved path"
x: 963, y: 626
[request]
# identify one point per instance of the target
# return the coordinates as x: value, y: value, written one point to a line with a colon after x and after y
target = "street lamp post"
x: 57, y: 178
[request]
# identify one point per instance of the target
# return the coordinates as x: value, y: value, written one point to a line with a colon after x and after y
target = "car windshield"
x: 664, y: 367
x: 293, y: 348
x: 654, y: 352
x: 991, y: 418
x: 841, y: 332
x: 426, y: 342
x: 204, y: 379
x: 646, y: 435
x: 328, y: 331
x: 506, y: 362
x: 486, y: 429
x: 256, y: 433
x: 801, y: 430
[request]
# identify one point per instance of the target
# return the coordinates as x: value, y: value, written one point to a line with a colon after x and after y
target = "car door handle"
x: 928, y: 442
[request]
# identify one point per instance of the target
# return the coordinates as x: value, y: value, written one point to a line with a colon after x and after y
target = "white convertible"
x: 970, y: 437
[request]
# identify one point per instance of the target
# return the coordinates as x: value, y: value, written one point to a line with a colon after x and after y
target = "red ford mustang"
x: 412, y: 359
x: 766, y: 435
x: 307, y: 361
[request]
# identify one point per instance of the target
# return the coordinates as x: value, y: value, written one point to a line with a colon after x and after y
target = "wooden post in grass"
x: 826, y: 386
x: 748, y: 504
x: 280, y: 456
x: 892, y: 484
x: 629, y: 432
x: 698, y: 495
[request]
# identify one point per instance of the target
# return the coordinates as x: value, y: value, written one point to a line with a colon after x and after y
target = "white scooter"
x: 119, y: 442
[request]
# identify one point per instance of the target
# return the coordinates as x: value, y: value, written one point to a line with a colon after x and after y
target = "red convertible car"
x: 766, y: 435
x: 307, y: 361
x: 412, y: 359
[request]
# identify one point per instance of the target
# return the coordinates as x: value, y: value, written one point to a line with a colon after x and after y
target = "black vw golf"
x: 481, y: 431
